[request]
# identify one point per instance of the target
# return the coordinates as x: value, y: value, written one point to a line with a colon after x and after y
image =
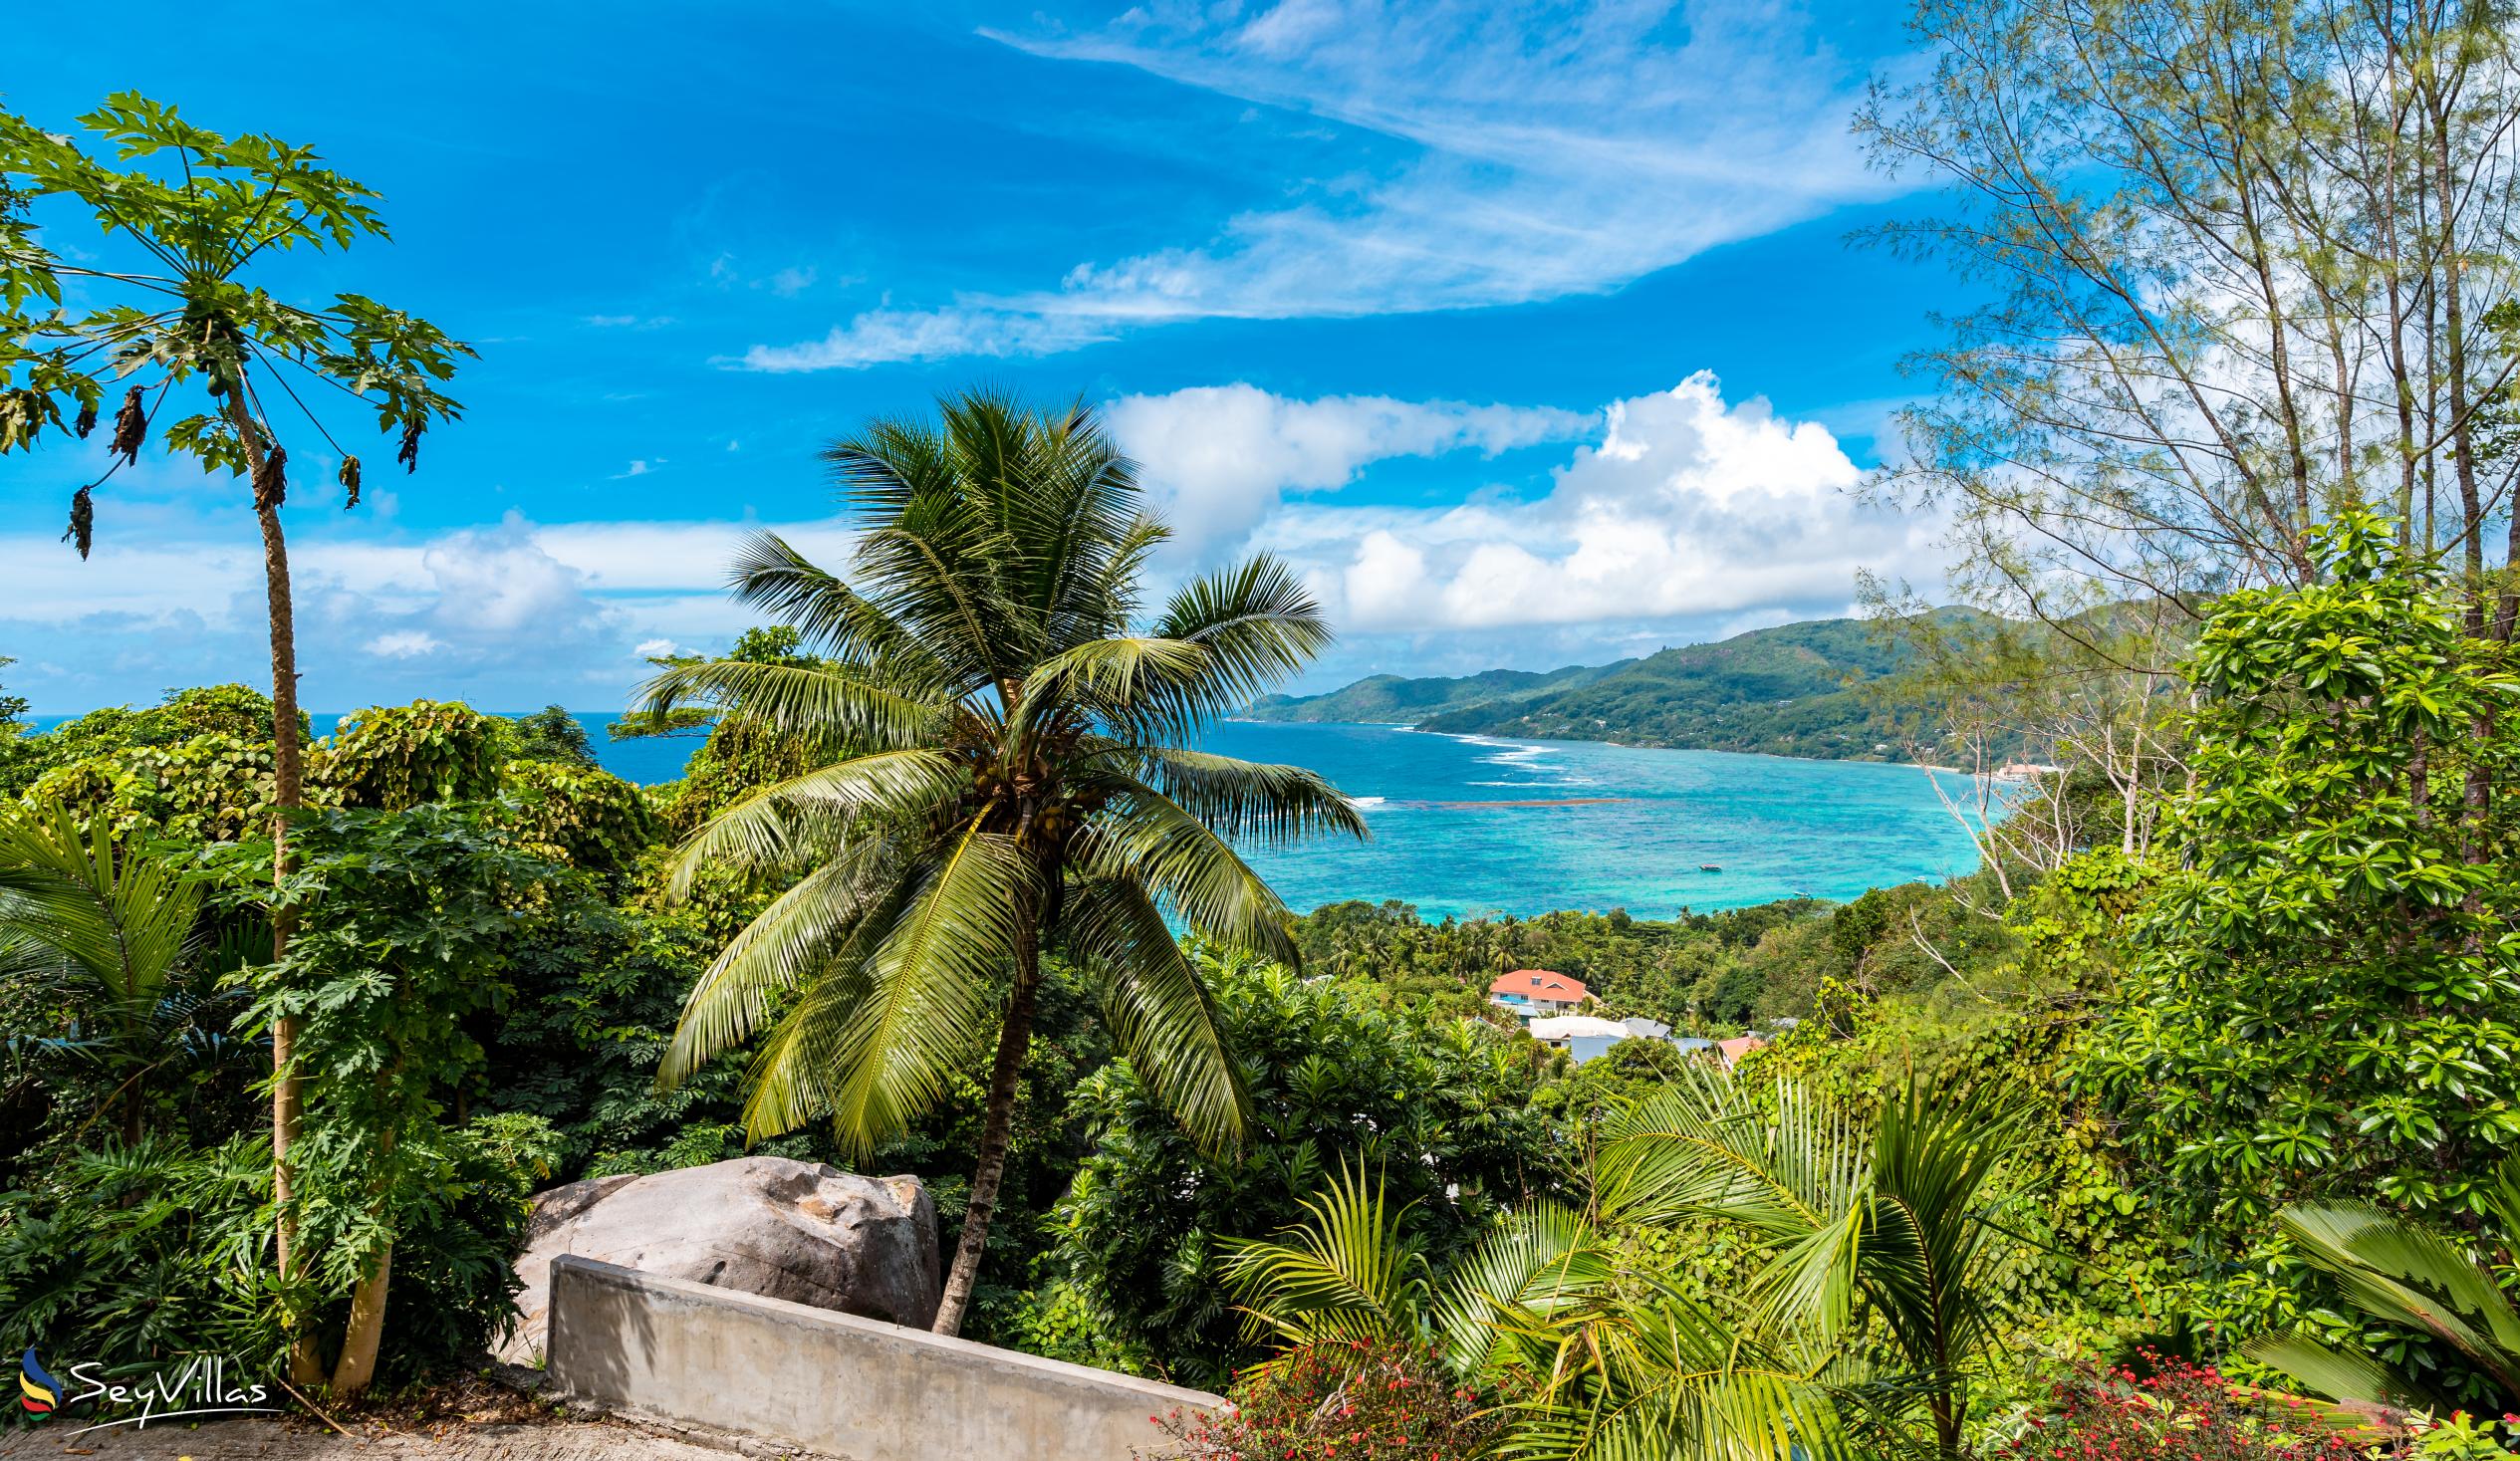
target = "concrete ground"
x: 296, y: 1439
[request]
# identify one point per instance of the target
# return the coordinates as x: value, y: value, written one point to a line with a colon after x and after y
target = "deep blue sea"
x: 1646, y: 825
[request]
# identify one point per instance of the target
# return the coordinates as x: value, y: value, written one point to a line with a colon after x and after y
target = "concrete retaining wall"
x: 833, y: 1382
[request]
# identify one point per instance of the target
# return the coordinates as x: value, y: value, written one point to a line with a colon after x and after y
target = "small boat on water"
x: 1709, y: 868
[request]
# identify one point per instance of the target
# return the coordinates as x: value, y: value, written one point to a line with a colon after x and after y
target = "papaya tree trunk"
x: 288, y: 779
x: 996, y: 1130
x: 367, y: 1329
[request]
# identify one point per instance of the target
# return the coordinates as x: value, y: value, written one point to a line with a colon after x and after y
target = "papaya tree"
x: 168, y: 321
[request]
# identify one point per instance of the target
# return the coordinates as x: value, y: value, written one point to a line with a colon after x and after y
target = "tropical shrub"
x: 398, y: 756
x: 212, y: 787
x: 131, y: 1254
x: 2324, y: 989
x: 551, y: 734
x: 1361, y: 1400
x: 2096, y: 1266
x: 2179, y: 1412
x: 406, y: 922
x: 1438, y: 1104
x: 578, y: 814
x: 2328, y: 981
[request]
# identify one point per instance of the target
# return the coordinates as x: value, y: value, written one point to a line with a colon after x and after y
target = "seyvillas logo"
x: 201, y: 1386
x: 37, y: 1391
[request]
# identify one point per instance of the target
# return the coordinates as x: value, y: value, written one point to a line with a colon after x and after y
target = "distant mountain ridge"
x: 1792, y: 690
x: 1396, y: 699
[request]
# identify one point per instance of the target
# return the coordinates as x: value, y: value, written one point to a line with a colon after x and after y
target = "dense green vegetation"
x: 2185, y: 1128
x: 2127, y: 1065
x: 1803, y: 689
x: 1706, y: 973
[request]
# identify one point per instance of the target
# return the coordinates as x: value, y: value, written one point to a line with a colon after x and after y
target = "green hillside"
x: 1396, y: 699
x: 1789, y: 691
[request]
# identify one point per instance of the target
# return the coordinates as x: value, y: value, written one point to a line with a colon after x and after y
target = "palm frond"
x: 1157, y: 1008
x: 844, y: 708
x: 817, y: 814
x: 771, y: 576
x: 1257, y: 622
x: 1537, y: 1261
x: 1147, y: 838
x: 872, y: 1058
x: 2387, y: 1267
x: 1123, y: 681
x: 933, y: 559
x: 1645, y: 1370
x: 1249, y: 799
x: 124, y: 920
x: 810, y: 930
x: 1702, y: 1147
x: 1350, y: 1269
x: 2344, y: 1373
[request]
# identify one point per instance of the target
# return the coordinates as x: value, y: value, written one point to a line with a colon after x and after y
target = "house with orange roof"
x: 1730, y: 1052
x: 1535, y: 992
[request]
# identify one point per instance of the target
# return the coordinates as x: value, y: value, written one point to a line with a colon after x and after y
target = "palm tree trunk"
x: 288, y: 774
x: 996, y: 1130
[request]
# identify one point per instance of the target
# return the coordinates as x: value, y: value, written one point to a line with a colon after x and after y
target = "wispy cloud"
x: 405, y: 644
x: 1552, y: 150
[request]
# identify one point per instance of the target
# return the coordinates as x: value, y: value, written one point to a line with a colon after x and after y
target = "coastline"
x: 1478, y: 736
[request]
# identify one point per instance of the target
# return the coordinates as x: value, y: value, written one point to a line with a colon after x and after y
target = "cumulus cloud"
x: 500, y: 585
x: 1687, y: 507
x: 1539, y: 155
x: 1217, y: 458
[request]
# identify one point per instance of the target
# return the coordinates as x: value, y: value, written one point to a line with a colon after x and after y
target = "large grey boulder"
x: 792, y: 1229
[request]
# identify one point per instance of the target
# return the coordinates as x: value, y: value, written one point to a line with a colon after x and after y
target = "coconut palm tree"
x: 998, y: 764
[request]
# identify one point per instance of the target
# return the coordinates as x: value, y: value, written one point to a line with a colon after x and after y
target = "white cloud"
x: 1687, y: 507
x: 1541, y: 155
x: 405, y: 644
x: 878, y: 335
x: 500, y: 585
x: 659, y: 649
x: 1668, y: 517
x: 1216, y: 458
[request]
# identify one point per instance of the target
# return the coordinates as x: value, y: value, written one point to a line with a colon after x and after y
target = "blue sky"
x: 1528, y: 333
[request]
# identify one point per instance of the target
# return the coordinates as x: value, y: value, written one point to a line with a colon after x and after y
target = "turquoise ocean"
x: 1457, y: 828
